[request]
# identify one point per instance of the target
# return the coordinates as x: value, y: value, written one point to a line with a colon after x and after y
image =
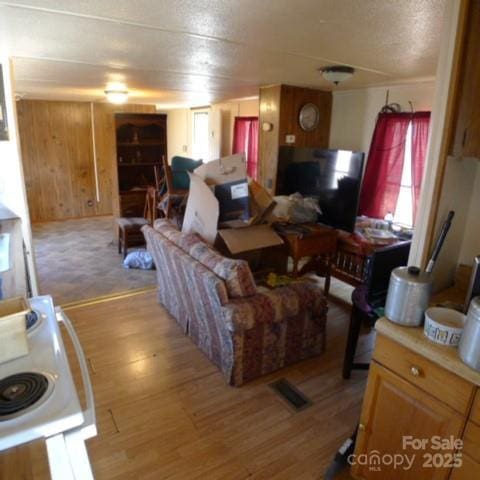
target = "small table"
x: 352, y: 256
x: 317, y: 241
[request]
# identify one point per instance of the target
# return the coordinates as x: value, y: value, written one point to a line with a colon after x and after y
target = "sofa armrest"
x: 275, y: 305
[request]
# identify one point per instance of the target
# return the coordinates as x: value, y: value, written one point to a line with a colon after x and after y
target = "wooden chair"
x: 370, y: 296
x: 133, y: 219
x: 129, y: 233
x: 151, y: 205
x: 174, y: 199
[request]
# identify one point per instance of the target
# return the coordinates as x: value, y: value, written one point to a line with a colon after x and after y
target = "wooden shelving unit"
x: 141, y: 142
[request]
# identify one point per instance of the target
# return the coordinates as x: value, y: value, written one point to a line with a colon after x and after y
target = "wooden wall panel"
x: 280, y: 105
x: 57, y: 152
x: 292, y: 100
x: 57, y: 158
x: 106, y: 154
x: 268, y: 141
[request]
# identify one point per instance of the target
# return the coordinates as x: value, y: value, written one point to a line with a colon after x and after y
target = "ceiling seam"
x: 187, y: 33
x: 165, y: 89
x: 128, y: 68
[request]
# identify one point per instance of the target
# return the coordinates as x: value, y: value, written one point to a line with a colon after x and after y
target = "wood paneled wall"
x: 56, y: 142
x: 58, y: 161
x: 292, y: 100
x: 268, y: 142
x: 106, y: 153
x: 280, y: 105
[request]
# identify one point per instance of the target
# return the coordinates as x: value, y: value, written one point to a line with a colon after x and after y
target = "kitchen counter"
x: 414, y: 339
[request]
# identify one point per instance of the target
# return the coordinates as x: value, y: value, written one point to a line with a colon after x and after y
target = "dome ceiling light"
x: 337, y: 73
x: 116, y: 94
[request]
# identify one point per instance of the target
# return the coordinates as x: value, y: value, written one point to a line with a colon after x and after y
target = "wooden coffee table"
x: 320, y: 243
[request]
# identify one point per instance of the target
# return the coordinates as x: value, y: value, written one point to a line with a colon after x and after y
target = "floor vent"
x: 294, y: 397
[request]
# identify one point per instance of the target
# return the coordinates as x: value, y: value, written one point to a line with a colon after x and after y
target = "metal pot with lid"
x: 469, y: 348
x: 408, y: 296
x: 409, y: 288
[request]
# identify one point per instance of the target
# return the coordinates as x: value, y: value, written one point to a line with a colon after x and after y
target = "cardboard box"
x: 202, y: 211
x: 245, y: 239
x: 261, y: 203
x: 224, y: 170
x: 242, y: 234
x: 233, y: 199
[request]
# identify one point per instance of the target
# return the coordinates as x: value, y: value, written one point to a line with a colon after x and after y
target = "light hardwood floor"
x: 164, y: 411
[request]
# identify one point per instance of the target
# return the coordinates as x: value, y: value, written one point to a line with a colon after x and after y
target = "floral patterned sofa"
x: 246, y: 331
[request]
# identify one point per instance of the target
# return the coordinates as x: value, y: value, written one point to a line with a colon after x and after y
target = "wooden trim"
x: 40, y: 222
x: 94, y: 150
x: 448, y: 131
x: 107, y: 298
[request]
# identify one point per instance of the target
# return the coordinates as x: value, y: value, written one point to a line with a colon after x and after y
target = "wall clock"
x: 309, y: 117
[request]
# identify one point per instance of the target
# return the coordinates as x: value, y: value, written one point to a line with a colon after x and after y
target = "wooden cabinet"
x: 431, y: 378
x: 466, y: 141
x: 141, y: 141
x: 395, y: 409
x: 469, y: 470
x: 410, y: 395
x: 69, y: 157
x: 475, y: 412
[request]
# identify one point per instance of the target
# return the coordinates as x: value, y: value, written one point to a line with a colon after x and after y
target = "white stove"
x: 38, y: 398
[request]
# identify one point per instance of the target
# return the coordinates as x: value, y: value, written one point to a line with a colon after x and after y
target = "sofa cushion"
x: 183, y: 240
x: 235, y: 273
x: 273, y: 306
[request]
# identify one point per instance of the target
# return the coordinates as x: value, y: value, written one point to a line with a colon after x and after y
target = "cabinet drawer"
x: 469, y: 470
x: 318, y: 244
x: 475, y: 413
x: 471, y: 441
x: 435, y: 380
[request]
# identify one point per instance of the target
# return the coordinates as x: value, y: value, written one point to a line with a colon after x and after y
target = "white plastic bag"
x: 297, y: 209
x: 140, y: 259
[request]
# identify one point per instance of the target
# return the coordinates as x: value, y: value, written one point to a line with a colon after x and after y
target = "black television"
x: 331, y: 176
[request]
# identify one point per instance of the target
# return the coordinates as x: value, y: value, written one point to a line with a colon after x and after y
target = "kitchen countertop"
x: 414, y: 339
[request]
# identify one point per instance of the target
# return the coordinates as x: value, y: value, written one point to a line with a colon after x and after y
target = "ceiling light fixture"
x: 337, y: 73
x: 116, y: 94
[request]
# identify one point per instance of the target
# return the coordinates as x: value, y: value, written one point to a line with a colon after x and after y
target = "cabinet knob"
x: 415, y: 371
x: 361, y: 427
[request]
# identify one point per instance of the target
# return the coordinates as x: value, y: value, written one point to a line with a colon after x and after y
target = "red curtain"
x: 245, y: 140
x: 381, y: 183
x: 420, y: 129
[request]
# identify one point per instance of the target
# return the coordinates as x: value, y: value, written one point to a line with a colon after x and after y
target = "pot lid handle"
x: 414, y: 271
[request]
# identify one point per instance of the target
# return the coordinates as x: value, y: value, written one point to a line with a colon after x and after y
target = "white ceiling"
x: 194, y: 52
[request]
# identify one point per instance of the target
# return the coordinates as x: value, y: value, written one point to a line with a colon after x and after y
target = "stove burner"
x: 20, y: 391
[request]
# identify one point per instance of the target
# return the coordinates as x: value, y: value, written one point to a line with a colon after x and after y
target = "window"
x: 404, y: 209
x: 343, y: 166
x: 201, y: 138
x: 245, y: 140
x: 394, y: 171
